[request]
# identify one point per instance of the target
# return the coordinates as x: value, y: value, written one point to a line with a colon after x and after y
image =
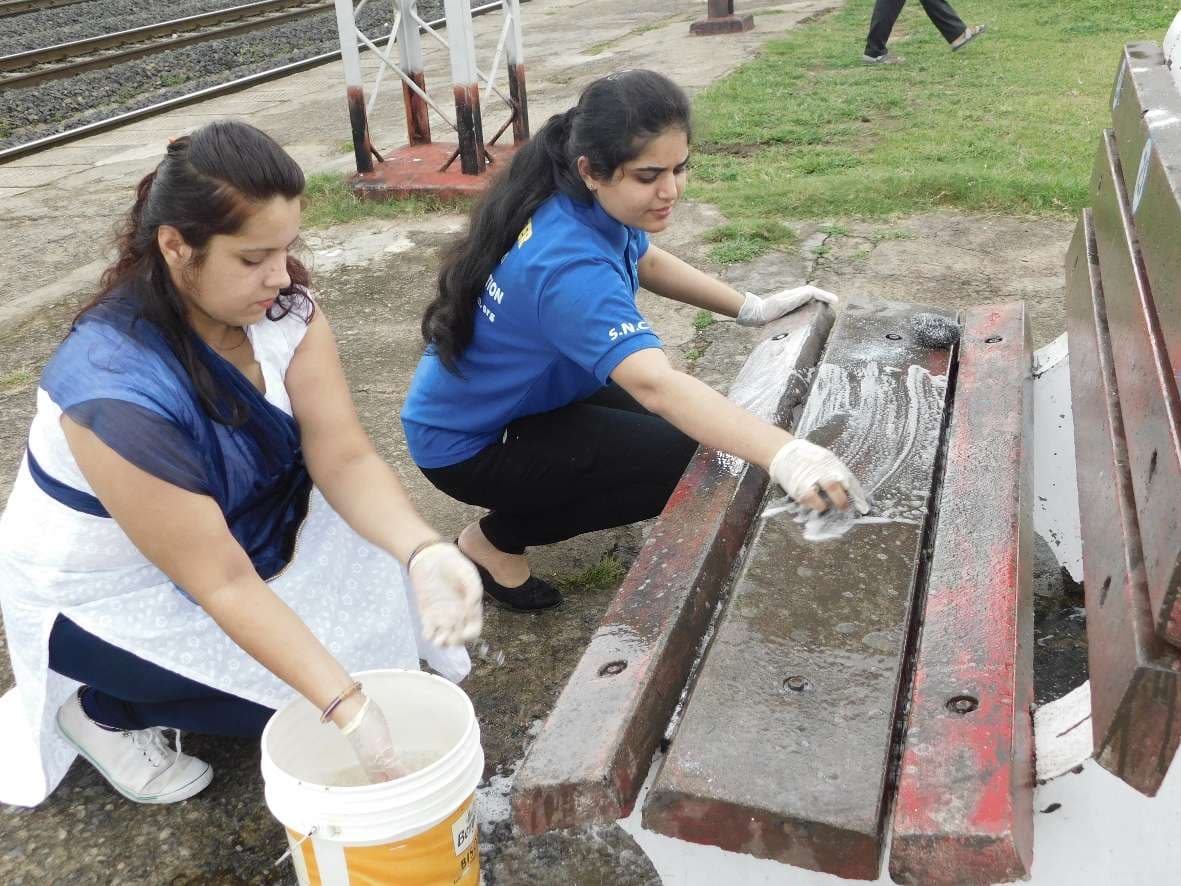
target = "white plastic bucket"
x: 419, y: 829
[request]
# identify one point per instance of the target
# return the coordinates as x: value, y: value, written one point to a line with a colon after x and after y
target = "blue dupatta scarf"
x: 116, y: 374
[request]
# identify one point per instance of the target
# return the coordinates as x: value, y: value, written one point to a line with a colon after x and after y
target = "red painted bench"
x: 784, y: 746
x: 589, y: 761
x: 964, y: 810
x: 796, y: 644
x: 1124, y: 323
x: 1136, y: 203
x: 801, y: 740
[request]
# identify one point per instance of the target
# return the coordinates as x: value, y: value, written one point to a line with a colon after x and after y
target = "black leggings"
x: 601, y: 462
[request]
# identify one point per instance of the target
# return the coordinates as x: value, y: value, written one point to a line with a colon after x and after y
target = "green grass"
x: 330, y: 201
x: 747, y: 239
x: 17, y: 379
x: 1008, y: 125
x: 703, y: 320
x: 898, y: 234
x: 601, y: 576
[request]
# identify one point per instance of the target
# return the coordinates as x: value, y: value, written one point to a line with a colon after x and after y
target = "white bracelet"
x: 351, y: 726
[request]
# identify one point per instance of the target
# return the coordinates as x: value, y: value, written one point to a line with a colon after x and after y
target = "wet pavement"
x: 374, y: 279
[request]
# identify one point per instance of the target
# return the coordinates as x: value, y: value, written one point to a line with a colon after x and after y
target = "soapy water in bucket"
x: 416, y: 830
x: 355, y: 776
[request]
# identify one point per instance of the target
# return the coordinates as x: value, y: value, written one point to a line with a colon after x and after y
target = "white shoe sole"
x: 194, y: 787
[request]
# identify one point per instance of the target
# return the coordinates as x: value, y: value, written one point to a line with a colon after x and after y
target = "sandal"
x: 886, y: 58
x: 967, y: 37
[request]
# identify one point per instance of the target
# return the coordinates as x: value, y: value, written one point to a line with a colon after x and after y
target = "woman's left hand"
x: 758, y: 311
x: 449, y: 593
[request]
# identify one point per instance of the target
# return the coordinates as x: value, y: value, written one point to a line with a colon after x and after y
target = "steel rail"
x: 31, y: 57
x: 108, y: 60
x: 60, y: 138
x: 20, y: 7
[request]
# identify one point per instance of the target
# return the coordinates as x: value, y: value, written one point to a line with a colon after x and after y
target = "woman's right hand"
x: 369, y: 734
x: 450, y: 594
x: 804, y: 470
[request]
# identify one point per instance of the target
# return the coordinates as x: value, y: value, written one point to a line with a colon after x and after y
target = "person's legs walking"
x: 944, y: 18
x: 881, y: 23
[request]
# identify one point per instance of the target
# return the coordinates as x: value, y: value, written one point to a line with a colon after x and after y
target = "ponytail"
x: 614, y: 120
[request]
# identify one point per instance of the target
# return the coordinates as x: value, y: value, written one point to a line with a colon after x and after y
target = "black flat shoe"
x: 533, y: 596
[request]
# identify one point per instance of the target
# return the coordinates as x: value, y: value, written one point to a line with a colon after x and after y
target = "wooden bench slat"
x: 1149, y: 401
x: 1135, y: 678
x: 1147, y: 105
x: 593, y: 753
x: 785, y: 742
x: 964, y: 809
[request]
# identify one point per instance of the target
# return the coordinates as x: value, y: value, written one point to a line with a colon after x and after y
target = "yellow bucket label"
x: 446, y: 855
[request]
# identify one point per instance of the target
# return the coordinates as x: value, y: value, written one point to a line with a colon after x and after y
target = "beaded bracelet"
x: 332, y: 705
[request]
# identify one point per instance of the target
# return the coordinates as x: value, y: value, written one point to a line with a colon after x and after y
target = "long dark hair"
x: 614, y: 120
x: 208, y: 183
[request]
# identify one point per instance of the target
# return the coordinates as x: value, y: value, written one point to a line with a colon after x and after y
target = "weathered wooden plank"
x: 964, y: 809
x: 1146, y: 118
x: 1142, y: 85
x: 1149, y: 400
x: 591, y: 757
x: 1135, y: 678
x: 784, y: 745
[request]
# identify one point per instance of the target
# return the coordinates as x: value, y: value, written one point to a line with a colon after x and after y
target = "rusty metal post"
x: 465, y: 83
x: 516, y: 72
x: 418, y: 126
x: 721, y: 19
x: 346, y: 27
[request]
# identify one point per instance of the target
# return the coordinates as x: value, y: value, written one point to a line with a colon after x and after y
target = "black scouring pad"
x: 934, y: 330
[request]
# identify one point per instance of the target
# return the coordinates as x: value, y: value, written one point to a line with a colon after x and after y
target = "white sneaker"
x: 139, y: 764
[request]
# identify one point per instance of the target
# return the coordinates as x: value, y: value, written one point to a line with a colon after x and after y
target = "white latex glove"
x: 803, y: 469
x: 369, y: 734
x: 758, y: 311
x: 450, y: 595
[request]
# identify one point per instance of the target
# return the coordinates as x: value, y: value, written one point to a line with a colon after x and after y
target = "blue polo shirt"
x: 555, y: 318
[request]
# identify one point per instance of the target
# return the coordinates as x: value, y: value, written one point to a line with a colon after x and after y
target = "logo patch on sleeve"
x: 526, y: 233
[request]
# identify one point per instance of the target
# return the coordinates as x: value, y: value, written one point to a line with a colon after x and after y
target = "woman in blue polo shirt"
x: 544, y: 394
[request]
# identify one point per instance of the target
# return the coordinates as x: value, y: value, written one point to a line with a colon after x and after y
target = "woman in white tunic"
x: 200, y: 525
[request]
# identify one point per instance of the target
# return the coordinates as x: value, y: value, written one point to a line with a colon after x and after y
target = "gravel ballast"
x: 48, y: 108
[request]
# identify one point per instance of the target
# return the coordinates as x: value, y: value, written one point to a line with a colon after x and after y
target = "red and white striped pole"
x: 418, y: 125
x: 351, y: 57
x: 465, y: 83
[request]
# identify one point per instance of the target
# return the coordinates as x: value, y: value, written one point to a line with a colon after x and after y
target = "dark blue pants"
x: 123, y: 691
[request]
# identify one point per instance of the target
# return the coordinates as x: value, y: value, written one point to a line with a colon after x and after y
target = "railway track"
x: 19, y: 7
x: 66, y: 59
x: 49, y: 141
